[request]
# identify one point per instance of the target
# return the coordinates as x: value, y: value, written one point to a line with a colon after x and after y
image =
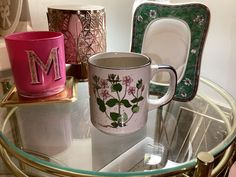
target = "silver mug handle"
x: 155, y: 103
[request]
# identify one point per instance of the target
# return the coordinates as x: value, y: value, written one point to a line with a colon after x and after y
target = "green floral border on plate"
x: 197, y: 16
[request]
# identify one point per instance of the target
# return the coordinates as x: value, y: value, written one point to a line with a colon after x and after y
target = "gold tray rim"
x: 70, y: 97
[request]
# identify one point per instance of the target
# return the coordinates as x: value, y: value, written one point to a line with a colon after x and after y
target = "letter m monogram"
x: 34, y: 60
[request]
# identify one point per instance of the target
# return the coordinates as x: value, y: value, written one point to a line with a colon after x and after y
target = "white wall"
x: 219, y: 57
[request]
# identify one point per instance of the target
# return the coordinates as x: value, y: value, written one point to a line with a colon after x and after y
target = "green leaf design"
x: 112, y: 102
x: 121, y: 124
x: 140, y: 98
x: 114, y: 124
x: 135, y: 108
x: 122, y: 118
x: 113, y: 78
x: 139, y: 84
x: 96, y: 86
x: 101, y: 104
x: 135, y: 100
x: 116, y: 87
x: 114, y: 116
x: 96, y: 78
x: 126, y: 103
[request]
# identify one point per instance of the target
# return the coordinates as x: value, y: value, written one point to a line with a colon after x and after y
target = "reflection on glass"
x: 45, y: 129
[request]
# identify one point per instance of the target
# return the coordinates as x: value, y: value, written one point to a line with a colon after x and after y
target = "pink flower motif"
x: 127, y: 80
x: 105, y: 94
x: 131, y: 90
x: 103, y: 83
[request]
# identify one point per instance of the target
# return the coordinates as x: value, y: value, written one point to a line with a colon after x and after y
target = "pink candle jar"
x: 37, y: 62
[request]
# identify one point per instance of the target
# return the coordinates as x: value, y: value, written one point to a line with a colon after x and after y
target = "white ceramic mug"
x: 119, y: 90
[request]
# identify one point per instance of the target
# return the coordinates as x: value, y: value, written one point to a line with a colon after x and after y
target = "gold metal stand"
x: 204, y: 165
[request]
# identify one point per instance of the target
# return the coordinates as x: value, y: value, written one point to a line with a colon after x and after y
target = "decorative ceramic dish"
x: 67, y: 95
x: 10, y: 12
x: 172, y: 34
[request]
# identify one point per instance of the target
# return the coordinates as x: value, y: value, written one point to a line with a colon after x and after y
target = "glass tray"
x: 70, y: 145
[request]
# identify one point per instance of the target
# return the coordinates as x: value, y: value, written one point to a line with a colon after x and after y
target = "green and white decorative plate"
x: 172, y: 34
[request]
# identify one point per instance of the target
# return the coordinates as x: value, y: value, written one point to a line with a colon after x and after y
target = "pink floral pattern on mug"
x: 111, y: 96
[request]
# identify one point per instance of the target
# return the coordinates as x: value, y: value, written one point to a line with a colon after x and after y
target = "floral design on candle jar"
x: 118, y: 98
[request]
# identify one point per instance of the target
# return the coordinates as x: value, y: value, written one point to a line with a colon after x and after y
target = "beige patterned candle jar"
x: 84, y: 29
